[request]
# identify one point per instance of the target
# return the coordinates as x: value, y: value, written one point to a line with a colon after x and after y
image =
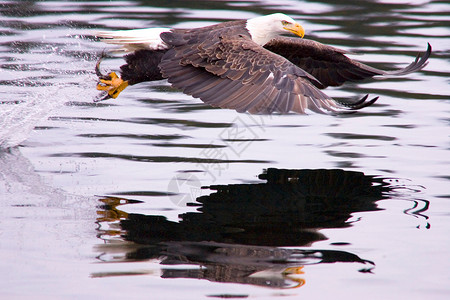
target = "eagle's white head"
x: 264, y: 28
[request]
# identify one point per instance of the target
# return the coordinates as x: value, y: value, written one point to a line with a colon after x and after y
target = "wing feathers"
x: 419, y: 63
x: 329, y: 65
x: 228, y: 70
x: 134, y: 39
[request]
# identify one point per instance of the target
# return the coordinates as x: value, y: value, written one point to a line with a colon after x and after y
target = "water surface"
x: 158, y: 195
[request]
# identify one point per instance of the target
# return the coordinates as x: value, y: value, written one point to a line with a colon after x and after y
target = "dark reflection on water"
x: 263, y: 234
x: 237, y: 231
x: 159, y: 159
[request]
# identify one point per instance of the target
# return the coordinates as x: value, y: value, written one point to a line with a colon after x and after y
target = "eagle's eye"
x: 285, y: 23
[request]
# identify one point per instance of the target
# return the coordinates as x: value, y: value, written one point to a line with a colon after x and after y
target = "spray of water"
x: 37, y: 81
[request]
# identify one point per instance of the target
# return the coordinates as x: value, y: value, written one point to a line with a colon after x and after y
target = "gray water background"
x: 64, y: 156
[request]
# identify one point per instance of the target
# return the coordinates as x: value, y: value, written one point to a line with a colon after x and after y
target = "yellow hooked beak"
x: 296, y: 29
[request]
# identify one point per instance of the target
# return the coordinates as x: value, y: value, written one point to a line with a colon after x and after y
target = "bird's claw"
x: 112, y: 84
x: 294, y: 270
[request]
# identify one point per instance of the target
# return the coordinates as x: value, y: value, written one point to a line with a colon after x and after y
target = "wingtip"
x: 363, y: 103
x: 353, y: 106
x: 370, y: 102
x: 427, y: 53
x: 418, y: 64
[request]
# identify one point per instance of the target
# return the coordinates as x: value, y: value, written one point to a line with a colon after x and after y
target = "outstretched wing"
x: 329, y: 64
x: 231, y: 71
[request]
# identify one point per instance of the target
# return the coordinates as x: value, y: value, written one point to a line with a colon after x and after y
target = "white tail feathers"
x: 135, y: 39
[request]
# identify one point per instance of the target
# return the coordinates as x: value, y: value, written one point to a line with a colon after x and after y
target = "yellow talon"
x: 289, y: 272
x: 300, y: 282
x: 294, y: 270
x: 113, y: 85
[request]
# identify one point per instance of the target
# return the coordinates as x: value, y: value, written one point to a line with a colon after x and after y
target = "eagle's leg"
x: 112, y: 84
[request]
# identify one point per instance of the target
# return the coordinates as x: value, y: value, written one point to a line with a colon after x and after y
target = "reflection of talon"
x: 293, y: 270
x: 288, y: 272
x: 113, y: 84
x: 112, y: 213
x: 300, y: 282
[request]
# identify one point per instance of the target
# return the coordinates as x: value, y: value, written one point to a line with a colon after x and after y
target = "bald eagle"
x: 244, y: 65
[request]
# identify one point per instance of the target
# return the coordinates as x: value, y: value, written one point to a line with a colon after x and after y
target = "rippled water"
x: 156, y: 195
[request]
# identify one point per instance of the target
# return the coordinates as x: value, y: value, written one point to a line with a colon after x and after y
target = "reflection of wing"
x: 285, y: 211
x: 245, y: 225
x: 329, y: 65
x: 263, y: 266
x: 221, y: 262
x: 232, y: 71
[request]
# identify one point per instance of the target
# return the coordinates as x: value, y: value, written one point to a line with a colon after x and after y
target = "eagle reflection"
x: 250, y: 233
